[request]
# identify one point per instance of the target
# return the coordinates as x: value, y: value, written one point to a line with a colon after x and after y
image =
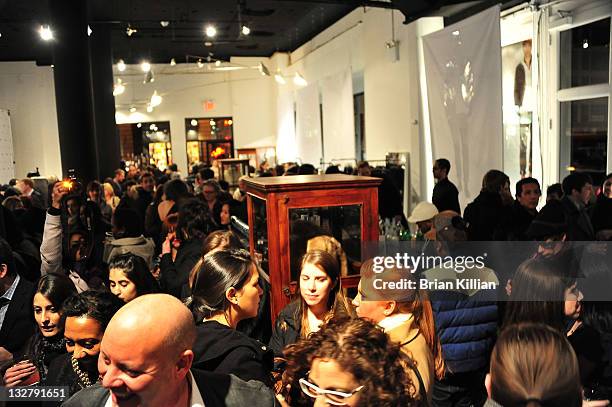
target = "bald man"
x: 145, y: 360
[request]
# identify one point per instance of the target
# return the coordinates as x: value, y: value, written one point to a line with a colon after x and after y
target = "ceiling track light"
x: 89, y: 30
x: 148, y: 78
x: 45, y: 32
x: 130, y: 30
x: 172, y: 62
x: 299, y: 80
x: 121, y: 65
x: 145, y: 66
x: 149, y: 108
x: 263, y: 69
x: 210, y: 31
x: 200, y: 63
x: 278, y: 77
x: 119, y: 88
x: 156, y: 99
x: 245, y: 30
x: 164, y: 23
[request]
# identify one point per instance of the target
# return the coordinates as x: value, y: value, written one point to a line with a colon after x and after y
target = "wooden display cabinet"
x: 285, y: 212
x: 231, y: 169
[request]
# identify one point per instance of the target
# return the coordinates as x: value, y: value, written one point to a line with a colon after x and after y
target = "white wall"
x: 245, y: 95
x: 28, y: 92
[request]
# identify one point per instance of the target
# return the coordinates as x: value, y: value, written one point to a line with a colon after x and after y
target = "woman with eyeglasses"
x: 320, y: 300
x: 33, y: 365
x: 407, y: 317
x: 347, y: 363
x: 225, y: 291
x: 85, y: 317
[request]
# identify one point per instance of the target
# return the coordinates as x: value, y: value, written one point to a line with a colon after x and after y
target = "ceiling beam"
x: 354, y: 3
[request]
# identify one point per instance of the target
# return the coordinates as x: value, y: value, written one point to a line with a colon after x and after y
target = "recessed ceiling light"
x: 245, y: 30
x: 208, y: 44
x: 585, y: 43
x: 164, y: 23
x: 172, y: 62
x: 145, y: 66
x: 200, y: 63
x: 89, y: 31
x: 121, y: 65
x: 211, y: 31
x: 218, y: 63
x: 139, y: 125
x: 45, y: 33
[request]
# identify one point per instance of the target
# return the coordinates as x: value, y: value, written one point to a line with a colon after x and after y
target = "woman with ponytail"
x: 533, y: 365
x: 226, y: 291
x: 407, y: 317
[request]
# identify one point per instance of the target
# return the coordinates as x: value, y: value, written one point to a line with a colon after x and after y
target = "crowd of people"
x: 136, y: 291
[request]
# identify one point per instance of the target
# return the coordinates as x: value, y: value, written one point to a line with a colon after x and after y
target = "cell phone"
x: 32, y: 379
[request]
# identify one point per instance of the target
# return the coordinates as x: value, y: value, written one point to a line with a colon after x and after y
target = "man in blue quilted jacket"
x: 465, y: 315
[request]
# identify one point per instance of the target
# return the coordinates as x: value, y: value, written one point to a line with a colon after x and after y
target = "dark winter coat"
x: 219, y: 348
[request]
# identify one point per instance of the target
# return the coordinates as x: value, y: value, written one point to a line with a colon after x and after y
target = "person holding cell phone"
x: 32, y: 364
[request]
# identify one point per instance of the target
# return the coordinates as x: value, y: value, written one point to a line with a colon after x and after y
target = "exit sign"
x: 209, y: 105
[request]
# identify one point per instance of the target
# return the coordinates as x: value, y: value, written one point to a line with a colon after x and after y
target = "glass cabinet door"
x: 260, y: 232
x: 341, y: 222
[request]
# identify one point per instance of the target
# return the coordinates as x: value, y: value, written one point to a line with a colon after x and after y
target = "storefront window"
x: 584, y: 55
x: 146, y: 143
x: 209, y: 139
x: 584, y: 135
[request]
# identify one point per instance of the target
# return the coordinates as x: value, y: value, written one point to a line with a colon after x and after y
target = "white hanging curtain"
x: 285, y: 137
x: 464, y: 88
x: 308, y: 125
x: 338, y: 116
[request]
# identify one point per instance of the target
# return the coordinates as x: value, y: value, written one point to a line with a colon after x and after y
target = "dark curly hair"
x: 99, y: 305
x: 361, y: 349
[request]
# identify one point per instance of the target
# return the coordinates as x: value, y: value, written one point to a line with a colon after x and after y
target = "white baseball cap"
x: 423, y: 211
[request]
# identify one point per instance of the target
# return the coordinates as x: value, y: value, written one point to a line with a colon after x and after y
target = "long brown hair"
x: 534, y: 365
x: 538, y: 294
x: 410, y: 301
x: 336, y: 301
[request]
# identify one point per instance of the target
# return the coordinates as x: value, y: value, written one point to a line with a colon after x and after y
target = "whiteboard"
x: 7, y: 164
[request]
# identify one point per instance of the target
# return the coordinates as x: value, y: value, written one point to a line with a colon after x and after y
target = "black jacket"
x: 579, y: 226
x: 61, y: 373
x: 518, y: 222
x: 176, y: 274
x: 286, y: 329
x: 217, y: 390
x: 446, y: 196
x: 487, y: 217
x: 17, y: 327
x: 221, y: 349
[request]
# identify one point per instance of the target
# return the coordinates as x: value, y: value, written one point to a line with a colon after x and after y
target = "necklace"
x: 574, y: 328
x: 83, y: 378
